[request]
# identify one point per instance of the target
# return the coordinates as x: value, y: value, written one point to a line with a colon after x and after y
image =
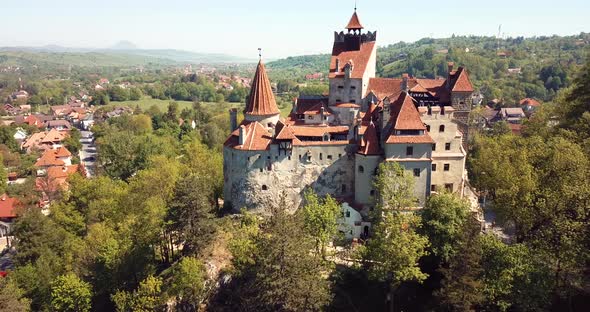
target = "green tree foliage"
x: 281, y: 274
x: 395, y: 187
x: 188, y: 281
x: 70, y: 294
x: 443, y: 222
x: 12, y: 298
x: 462, y: 287
x: 7, y: 138
x: 148, y: 297
x: 3, y: 176
x: 320, y: 217
x: 72, y: 142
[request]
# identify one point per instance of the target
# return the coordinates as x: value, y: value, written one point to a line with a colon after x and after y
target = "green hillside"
x: 546, y: 64
x: 90, y: 59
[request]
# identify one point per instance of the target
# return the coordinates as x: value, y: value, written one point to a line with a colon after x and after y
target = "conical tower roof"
x: 354, y: 22
x: 261, y: 100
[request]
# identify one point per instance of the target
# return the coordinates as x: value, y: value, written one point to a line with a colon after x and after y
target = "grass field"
x: 147, y: 102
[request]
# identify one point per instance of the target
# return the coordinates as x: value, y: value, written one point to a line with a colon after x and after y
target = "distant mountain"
x: 124, y: 45
x: 116, y: 55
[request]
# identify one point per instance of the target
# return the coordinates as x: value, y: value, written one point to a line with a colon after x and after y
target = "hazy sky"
x: 281, y: 28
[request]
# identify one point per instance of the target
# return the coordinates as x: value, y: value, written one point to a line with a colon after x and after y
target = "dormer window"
x: 441, y: 128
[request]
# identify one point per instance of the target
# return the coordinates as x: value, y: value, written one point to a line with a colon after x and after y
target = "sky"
x: 280, y: 28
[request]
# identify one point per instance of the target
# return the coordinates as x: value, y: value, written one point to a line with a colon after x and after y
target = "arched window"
x: 361, y: 169
x: 264, y: 187
x: 441, y: 128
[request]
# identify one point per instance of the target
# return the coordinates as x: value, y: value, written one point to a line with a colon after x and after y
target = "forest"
x: 150, y: 232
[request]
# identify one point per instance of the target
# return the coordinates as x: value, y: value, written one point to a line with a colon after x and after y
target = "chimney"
x: 337, y: 65
x: 450, y: 66
x: 322, y: 114
x: 233, y: 119
x: 242, y: 135
x: 294, y: 109
x: 405, y: 77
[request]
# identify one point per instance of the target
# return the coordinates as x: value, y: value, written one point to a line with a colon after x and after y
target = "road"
x: 88, y: 153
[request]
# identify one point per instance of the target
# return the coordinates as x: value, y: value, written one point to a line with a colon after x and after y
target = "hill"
x: 507, y: 69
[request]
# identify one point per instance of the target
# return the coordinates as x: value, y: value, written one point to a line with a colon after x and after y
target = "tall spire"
x: 261, y: 100
x: 354, y: 23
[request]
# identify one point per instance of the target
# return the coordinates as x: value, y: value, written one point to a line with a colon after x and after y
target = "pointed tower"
x: 353, y: 63
x: 261, y: 105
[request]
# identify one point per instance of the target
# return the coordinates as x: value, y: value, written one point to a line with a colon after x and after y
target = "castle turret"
x: 261, y: 105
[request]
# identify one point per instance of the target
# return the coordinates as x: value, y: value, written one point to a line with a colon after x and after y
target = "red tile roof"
x: 257, y: 137
x: 354, y: 22
x: 462, y: 82
x: 404, y: 114
x: 530, y: 102
x: 7, y: 206
x: 347, y: 105
x: 369, y: 144
x: 360, y: 59
x: 49, y: 159
x: 318, y: 130
x: 286, y: 133
x: 410, y: 139
x: 261, y: 100
x: 311, y: 107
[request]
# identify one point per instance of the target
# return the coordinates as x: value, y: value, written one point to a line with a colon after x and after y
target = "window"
x: 441, y: 128
x: 329, y: 157
x: 309, y: 158
x: 447, y: 146
x: 300, y: 116
x: 260, y: 169
x: 352, y: 101
x: 289, y: 157
x: 433, y: 167
x: 338, y: 100
x: 299, y: 157
x: 409, y: 151
x: 310, y: 117
x: 416, y: 172
x: 353, y: 87
x: 343, y: 188
x: 428, y: 128
x: 433, y: 188
x: 321, y: 156
x: 269, y: 124
x: 434, y: 147
x: 264, y: 187
x: 361, y: 169
x: 447, y: 167
x: 325, y: 117
x: 449, y: 187
x: 348, y: 213
x: 340, y: 87
x: 339, y: 155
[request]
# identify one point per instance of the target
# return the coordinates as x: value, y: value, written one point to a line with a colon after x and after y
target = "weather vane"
x: 260, y: 53
x: 355, y: 5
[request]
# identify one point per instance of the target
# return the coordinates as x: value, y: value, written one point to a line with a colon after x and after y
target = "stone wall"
x: 256, y: 179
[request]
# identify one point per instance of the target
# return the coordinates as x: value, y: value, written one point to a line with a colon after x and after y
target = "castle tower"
x: 261, y: 105
x: 353, y: 63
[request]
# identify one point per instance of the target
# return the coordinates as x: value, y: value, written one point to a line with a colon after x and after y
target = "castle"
x: 335, y: 143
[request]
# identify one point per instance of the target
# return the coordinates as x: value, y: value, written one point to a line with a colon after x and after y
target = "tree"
x: 188, y: 281
x: 443, y: 220
x: 284, y: 275
x: 321, y: 219
x: 395, y: 187
x: 191, y: 212
x: 7, y: 138
x: 70, y: 294
x: 135, y: 94
x: 12, y: 298
x: 72, y: 142
x: 462, y: 287
x: 3, y: 176
x: 391, y: 255
x: 147, y: 297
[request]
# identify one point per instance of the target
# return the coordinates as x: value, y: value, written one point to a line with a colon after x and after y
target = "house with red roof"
x: 8, y: 213
x: 334, y: 143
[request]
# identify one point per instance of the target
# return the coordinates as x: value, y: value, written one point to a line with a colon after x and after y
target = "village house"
x: 529, y: 105
x: 334, y: 143
x: 44, y: 140
x: 8, y: 213
x: 59, y: 124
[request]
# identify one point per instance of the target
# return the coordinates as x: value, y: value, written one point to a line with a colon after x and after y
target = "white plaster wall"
x: 364, y: 180
x: 455, y: 157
